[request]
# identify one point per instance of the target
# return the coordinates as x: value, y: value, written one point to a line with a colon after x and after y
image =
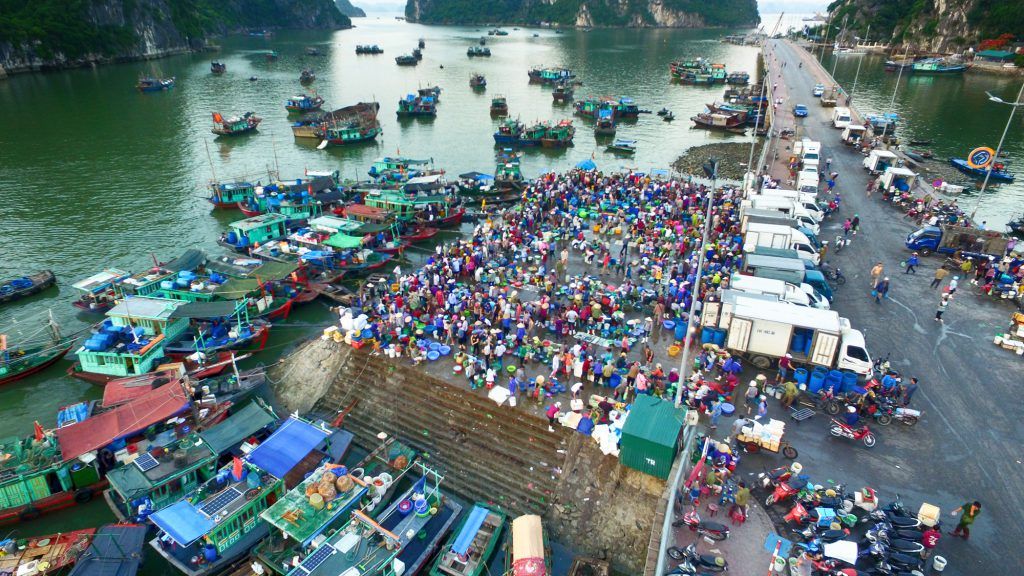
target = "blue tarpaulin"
x: 115, y: 551
x: 182, y: 522
x: 473, y: 523
x: 286, y: 447
x: 586, y: 165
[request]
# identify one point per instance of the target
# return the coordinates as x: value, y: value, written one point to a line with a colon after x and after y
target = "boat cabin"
x: 228, y: 194
x: 257, y: 230
x: 98, y: 290
x: 132, y: 338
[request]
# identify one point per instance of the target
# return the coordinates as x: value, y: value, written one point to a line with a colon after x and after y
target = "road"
x: 969, y: 443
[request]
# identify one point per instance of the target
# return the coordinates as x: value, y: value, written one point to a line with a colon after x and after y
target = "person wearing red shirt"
x: 930, y: 539
x: 785, y: 365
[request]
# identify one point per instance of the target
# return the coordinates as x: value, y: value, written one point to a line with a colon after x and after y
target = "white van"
x: 841, y: 117
x: 810, y: 153
x: 807, y: 181
x: 808, y: 200
x: 788, y: 207
x: 802, y: 295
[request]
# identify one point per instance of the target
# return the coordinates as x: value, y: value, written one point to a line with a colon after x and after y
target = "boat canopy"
x: 99, y: 431
x: 528, y: 546
x: 143, y: 308
x: 252, y: 418
x: 344, y: 241
x: 213, y: 309
x: 287, y: 447
x: 102, y: 280
x: 422, y: 183
x: 183, y: 523
x: 122, y: 390
x: 476, y: 176
x: 189, y: 260
x: 115, y: 550
x: 469, y: 530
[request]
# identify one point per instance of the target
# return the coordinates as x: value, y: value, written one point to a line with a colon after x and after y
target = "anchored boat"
x: 18, y: 288
x: 235, y: 125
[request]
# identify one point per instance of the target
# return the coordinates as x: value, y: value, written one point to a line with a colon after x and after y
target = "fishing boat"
x: 481, y: 51
x: 421, y: 43
x: 255, y: 230
x: 499, y: 106
x: 409, y: 167
x: 886, y: 123
x: 18, y: 288
x: 668, y: 117
x: 559, y: 136
x: 368, y: 485
x: 533, y: 134
x: 588, y: 107
x: 718, y: 74
x: 235, y: 125
x: 399, y: 541
x: 477, y: 82
x: 419, y: 233
x: 417, y: 106
x: 417, y: 54
x: 937, y: 66
x: 562, y: 93
x: 217, y: 525
x: 270, y: 55
x: 717, y: 121
x: 351, y: 132
x: 230, y: 331
x: 431, y: 91
x: 303, y: 103
x: 550, y: 75
x: 161, y: 476
x: 742, y: 112
x: 472, y: 544
x: 228, y: 194
x: 897, y: 65
x: 307, y: 76
x: 99, y: 291
x: 528, y: 553
x: 47, y: 554
x: 913, y: 155
x: 312, y: 51
x: 738, y: 78
x: 507, y: 174
x: 115, y: 550
x: 1016, y: 226
x: 407, y: 60
x: 218, y: 67
x: 508, y: 132
x: 663, y: 112
x: 998, y: 173
x: 362, y: 116
x: 23, y: 358
x: 369, y: 49
x: 622, y: 146
x: 605, y: 123
x: 150, y: 84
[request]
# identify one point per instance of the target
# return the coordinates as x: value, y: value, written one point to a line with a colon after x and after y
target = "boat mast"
x: 209, y: 159
x: 54, y: 327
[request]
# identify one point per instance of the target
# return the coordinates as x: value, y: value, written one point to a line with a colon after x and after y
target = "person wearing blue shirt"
x: 852, y: 418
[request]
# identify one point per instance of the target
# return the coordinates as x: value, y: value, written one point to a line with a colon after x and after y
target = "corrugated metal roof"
x: 252, y: 418
x: 654, y: 420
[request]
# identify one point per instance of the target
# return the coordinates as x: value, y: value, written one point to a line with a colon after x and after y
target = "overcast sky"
x: 765, y: 6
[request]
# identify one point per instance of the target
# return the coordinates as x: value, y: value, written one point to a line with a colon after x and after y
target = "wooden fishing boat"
x: 937, y: 66
x: 150, y: 84
x: 218, y: 67
x: 605, y: 123
x: 99, y: 291
x: 472, y: 543
x: 235, y: 125
x: 419, y: 233
x: 477, y: 82
x: 738, y: 78
x: 407, y: 60
x: 562, y: 93
x: 499, y: 106
x: 718, y: 121
x: 558, y: 136
x: 335, y: 292
x: 482, y: 51
x: 303, y: 103
x: 422, y: 106
x: 219, y: 336
x: 307, y: 76
x: 622, y: 146
x: 509, y: 132
x: 369, y: 49
x: 225, y: 195
x: 18, y: 288
x: 550, y: 75
x: 507, y: 173
x: 528, y: 553
x: 431, y: 91
x: 48, y: 554
x: 22, y: 359
x: 998, y: 173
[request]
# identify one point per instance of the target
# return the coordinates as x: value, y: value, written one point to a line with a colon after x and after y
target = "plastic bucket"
x: 615, y: 380
x: 939, y: 563
x: 674, y: 350
x: 849, y: 381
x: 727, y: 409
x: 816, y: 382
x: 800, y: 375
x: 445, y: 350
x: 680, y: 331
x: 669, y: 324
x: 434, y: 346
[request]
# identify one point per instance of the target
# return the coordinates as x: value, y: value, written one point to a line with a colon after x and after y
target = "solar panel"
x: 146, y: 462
x: 316, y: 558
x: 221, y: 501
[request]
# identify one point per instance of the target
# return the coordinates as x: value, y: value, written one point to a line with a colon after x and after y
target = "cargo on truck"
x: 762, y: 332
x: 853, y: 134
x: 841, y: 117
x: 902, y: 179
x: 949, y: 239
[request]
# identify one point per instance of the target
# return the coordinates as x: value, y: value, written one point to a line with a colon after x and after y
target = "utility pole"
x: 857, y: 75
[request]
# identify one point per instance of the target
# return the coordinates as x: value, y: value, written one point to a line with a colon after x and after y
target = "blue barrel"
x: 849, y: 381
x: 210, y: 553
x: 800, y: 375
x: 834, y: 381
x: 680, y: 331
x: 798, y: 342
x: 822, y: 369
x: 816, y: 381
x: 707, y: 335
x: 719, y: 338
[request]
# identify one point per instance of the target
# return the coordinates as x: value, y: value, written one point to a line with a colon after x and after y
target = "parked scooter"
x: 887, y: 412
x: 771, y: 478
x: 786, y: 490
x: 691, y: 557
x: 841, y: 429
x: 896, y: 564
x: 712, y: 530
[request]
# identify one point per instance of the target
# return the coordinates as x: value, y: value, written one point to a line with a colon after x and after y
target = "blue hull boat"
x: 998, y: 175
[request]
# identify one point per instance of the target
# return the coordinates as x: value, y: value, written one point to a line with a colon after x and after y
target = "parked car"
x: 819, y: 89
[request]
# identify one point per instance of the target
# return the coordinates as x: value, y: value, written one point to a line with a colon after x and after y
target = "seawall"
x: 487, y: 452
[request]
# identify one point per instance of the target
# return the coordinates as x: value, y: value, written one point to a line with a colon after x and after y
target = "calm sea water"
x: 94, y: 174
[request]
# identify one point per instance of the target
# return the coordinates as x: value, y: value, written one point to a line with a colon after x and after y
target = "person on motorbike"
x: 852, y: 417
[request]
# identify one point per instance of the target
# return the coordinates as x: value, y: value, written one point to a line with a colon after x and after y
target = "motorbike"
x: 884, y: 548
x: 801, y: 515
x: 693, y: 521
x: 833, y: 274
x: 896, y: 515
x: 883, y: 529
x: 897, y: 564
x: 693, y: 560
x: 841, y: 429
x: 823, y: 535
x: 888, y: 411
x: 786, y: 490
x: 771, y: 478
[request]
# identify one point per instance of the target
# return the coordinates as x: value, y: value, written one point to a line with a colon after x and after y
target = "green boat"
x: 229, y: 194
x: 255, y: 230
x: 507, y: 174
x: 157, y: 479
x: 472, y: 543
x: 22, y: 359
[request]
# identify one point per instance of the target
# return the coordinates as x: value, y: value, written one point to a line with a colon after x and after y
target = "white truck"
x: 778, y: 236
x: 787, y: 207
x: 807, y: 180
x: 783, y: 291
x: 764, y: 331
x: 810, y: 153
x: 808, y: 200
x: 841, y: 117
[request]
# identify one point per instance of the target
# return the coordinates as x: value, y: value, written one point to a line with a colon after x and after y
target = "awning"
x: 286, y: 447
x: 99, y: 431
x: 182, y: 522
x: 476, y: 176
x: 231, y: 432
x: 190, y: 260
x: 214, y: 309
x: 332, y: 196
x: 235, y: 288
x: 468, y: 533
x: 344, y: 241
x: 586, y: 165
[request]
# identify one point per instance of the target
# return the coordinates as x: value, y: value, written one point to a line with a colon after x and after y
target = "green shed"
x: 650, y: 437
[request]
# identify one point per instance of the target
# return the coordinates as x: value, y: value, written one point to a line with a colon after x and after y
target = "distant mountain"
x: 41, y: 34
x: 346, y: 8
x: 587, y: 13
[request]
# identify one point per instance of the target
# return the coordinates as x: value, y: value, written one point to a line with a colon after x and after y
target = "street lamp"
x: 999, y: 147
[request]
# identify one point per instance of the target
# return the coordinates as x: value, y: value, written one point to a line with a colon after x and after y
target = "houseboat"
x: 229, y: 194
x: 508, y: 132
x: 550, y: 75
x: 99, y: 291
x: 412, y: 105
x: 472, y: 544
x: 255, y: 230
x: 475, y: 51
x: 161, y: 476
x: 409, y: 167
x: 351, y: 132
x: 559, y: 135
x: 116, y: 550
x: 303, y: 103
x: 220, y: 522
x: 407, y: 60
x: 235, y: 125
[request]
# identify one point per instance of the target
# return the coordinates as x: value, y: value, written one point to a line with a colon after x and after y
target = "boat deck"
x: 190, y: 560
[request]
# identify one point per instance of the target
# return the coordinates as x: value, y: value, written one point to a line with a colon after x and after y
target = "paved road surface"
x: 969, y: 444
